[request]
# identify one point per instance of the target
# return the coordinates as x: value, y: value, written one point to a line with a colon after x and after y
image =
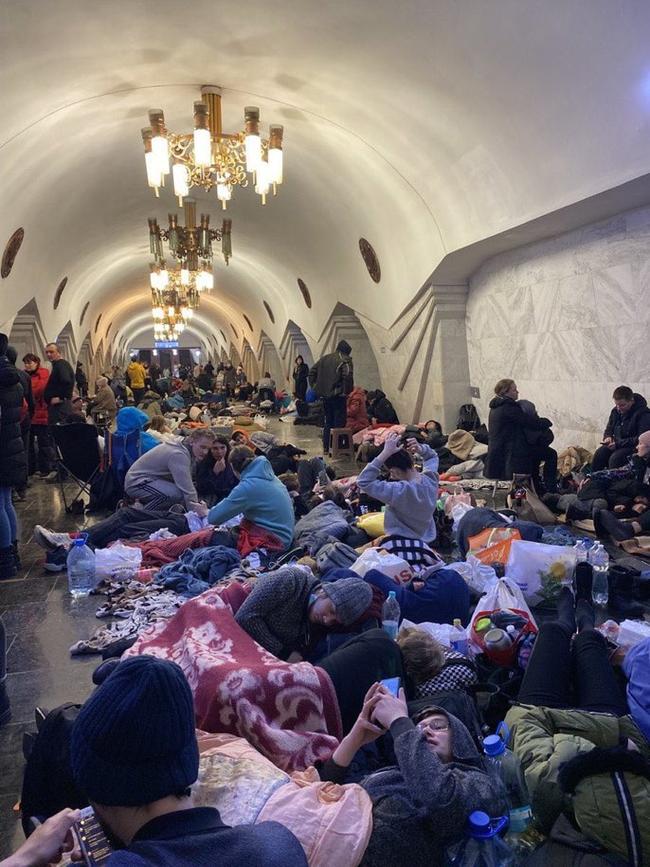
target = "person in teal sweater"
x: 260, y: 497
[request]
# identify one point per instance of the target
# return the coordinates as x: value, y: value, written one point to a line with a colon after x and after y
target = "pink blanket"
x: 289, y: 712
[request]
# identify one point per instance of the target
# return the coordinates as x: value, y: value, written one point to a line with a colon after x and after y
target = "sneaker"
x: 49, y: 540
x: 56, y: 561
x: 52, y: 477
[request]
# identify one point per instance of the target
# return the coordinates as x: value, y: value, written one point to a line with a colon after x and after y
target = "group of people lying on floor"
x: 415, y: 767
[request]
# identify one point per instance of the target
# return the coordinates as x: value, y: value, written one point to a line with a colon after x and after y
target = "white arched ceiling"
x: 424, y: 128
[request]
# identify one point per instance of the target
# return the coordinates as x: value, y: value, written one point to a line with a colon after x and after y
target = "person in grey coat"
x: 421, y: 804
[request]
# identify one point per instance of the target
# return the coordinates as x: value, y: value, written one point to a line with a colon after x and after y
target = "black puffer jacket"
x: 13, y: 460
x: 333, y: 374
x: 508, y: 450
x: 626, y: 427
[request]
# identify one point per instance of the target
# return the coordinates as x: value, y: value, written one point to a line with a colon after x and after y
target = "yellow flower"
x: 558, y: 571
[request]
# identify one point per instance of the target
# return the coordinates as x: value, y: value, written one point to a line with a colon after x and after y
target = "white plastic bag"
x: 540, y: 570
x: 388, y: 564
x: 196, y: 522
x: 119, y: 560
x: 478, y: 576
x: 440, y: 631
x: 504, y: 593
x: 457, y: 512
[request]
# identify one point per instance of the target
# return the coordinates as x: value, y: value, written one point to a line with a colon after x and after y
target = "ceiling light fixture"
x: 210, y: 158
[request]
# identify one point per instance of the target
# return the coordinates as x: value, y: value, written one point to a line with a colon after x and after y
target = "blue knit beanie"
x: 134, y: 740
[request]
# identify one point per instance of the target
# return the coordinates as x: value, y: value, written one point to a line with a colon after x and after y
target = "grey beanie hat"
x: 351, y: 598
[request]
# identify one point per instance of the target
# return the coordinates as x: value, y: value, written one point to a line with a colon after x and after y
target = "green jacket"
x: 604, y: 789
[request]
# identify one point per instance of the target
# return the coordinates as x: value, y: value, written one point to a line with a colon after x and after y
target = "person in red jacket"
x: 40, y: 436
x: 357, y: 415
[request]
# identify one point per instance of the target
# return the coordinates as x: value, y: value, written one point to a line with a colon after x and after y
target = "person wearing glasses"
x: 420, y: 804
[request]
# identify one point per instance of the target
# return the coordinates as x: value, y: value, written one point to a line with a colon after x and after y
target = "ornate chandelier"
x: 210, y: 158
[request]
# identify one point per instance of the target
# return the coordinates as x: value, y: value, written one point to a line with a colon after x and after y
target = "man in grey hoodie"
x: 421, y: 804
x: 162, y: 477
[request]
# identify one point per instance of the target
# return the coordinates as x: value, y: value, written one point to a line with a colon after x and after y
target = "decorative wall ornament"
x: 370, y: 258
x: 83, y: 312
x: 269, y: 311
x: 59, y: 292
x: 248, y: 322
x: 98, y: 320
x: 304, y: 292
x: 225, y: 339
x: 234, y: 331
x: 11, y: 251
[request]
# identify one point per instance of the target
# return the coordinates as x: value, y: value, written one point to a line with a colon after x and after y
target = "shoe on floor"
x: 607, y: 524
x: 49, y: 540
x: 52, y: 477
x: 57, y: 560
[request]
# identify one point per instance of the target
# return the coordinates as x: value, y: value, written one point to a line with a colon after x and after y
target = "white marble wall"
x: 568, y: 319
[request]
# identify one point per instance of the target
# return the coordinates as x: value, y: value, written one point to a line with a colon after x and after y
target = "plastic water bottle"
x: 458, y: 638
x: 482, y: 846
x: 581, y: 550
x: 599, y: 559
x: 390, y: 615
x: 509, y: 769
x: 81, y: 568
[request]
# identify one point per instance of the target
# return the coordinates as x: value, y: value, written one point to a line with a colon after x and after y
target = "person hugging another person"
x: 268, y: 520
x: 215, y: 478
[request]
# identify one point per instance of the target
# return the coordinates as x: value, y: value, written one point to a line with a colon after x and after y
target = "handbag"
x: 530, y: 507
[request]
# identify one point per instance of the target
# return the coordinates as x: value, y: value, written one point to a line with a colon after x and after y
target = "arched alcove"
x: 86, y: 356
x: 344, y: 324
x: 27, y: 333
x: 235, y: 357
x: 294, y: 343
x: 269, y: 360
x: 66, y: 342
x: 249, y: 362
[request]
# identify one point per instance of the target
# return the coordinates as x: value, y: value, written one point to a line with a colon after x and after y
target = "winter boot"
x: 7, y: 563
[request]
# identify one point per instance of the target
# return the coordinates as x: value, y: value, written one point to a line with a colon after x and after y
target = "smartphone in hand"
x: 392, y: 684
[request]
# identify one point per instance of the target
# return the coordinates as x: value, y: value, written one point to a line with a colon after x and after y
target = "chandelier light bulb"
x: 181, y: 181
x: 224, y: 194
x: 263, y: 180
x: 163, y: 278
x: 189, y: 313
x: 160, y: 149
x: 170, y: 311
x: 154, y: 175
x: 202, y: 147
x: 275, y: 159
x: 252, y: 140
x: 185, y: 277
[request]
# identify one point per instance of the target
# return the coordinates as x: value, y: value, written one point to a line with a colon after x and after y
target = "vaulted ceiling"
x: 424, y: 126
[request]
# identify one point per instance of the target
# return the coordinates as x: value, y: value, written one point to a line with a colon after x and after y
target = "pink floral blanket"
x: 289, y: 712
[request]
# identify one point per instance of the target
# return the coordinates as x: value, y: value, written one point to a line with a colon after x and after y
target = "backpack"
x: 344, y: 378
x: 468, y: 418
x: 48, y: 784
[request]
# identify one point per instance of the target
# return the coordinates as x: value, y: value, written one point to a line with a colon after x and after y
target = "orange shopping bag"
x: 492, y: 545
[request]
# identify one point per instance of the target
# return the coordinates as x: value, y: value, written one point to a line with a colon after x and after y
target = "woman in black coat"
x: 509, y: 451
x: 215, y: 478
x: 13, y: 460
x: 300, y: 373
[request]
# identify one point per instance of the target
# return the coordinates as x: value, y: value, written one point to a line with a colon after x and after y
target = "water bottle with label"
x: 599, y: 559
x: 458, y: 638
x: 481, y: 846
x: 81, y: 568
x: 509, y: 768
x: 390, y: 615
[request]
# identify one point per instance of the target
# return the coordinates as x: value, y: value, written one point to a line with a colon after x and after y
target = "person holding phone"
x: 421, y: 804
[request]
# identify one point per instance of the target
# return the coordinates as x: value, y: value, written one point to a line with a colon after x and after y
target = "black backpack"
x: 48, y: 785
x: 468, y: 418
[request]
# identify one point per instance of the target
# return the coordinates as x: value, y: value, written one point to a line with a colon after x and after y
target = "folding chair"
x: 78, y: 459
x: 122, y: 450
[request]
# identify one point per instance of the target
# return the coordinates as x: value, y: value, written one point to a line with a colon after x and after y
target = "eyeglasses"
x: 434, y: 725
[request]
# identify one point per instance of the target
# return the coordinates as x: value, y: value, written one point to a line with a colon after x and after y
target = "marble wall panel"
x: 569, y: 319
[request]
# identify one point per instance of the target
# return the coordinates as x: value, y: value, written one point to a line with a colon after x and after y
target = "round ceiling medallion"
x: 248, y: 322
x: 269, y: 311
x: 59, y: 292
x: 370, y: 258
x: 304, y: 292
x: 11, y: 251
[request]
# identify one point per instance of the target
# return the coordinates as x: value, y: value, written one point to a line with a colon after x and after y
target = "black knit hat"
x: 134, y: 740
x: 344, y: 347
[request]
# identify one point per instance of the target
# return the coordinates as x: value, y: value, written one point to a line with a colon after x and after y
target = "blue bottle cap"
x: 79, y: 542
x: 479, y: 824
x: 391, y: 594
x: 493, y: 745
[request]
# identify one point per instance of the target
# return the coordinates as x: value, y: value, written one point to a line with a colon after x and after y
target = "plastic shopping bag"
x: 501, y: 596
x: 389, y: 564
x: 456, y: 497
x: 492, y: 545
x: 478, y: 576
x: 540, y: 570
x: 118, y: 561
